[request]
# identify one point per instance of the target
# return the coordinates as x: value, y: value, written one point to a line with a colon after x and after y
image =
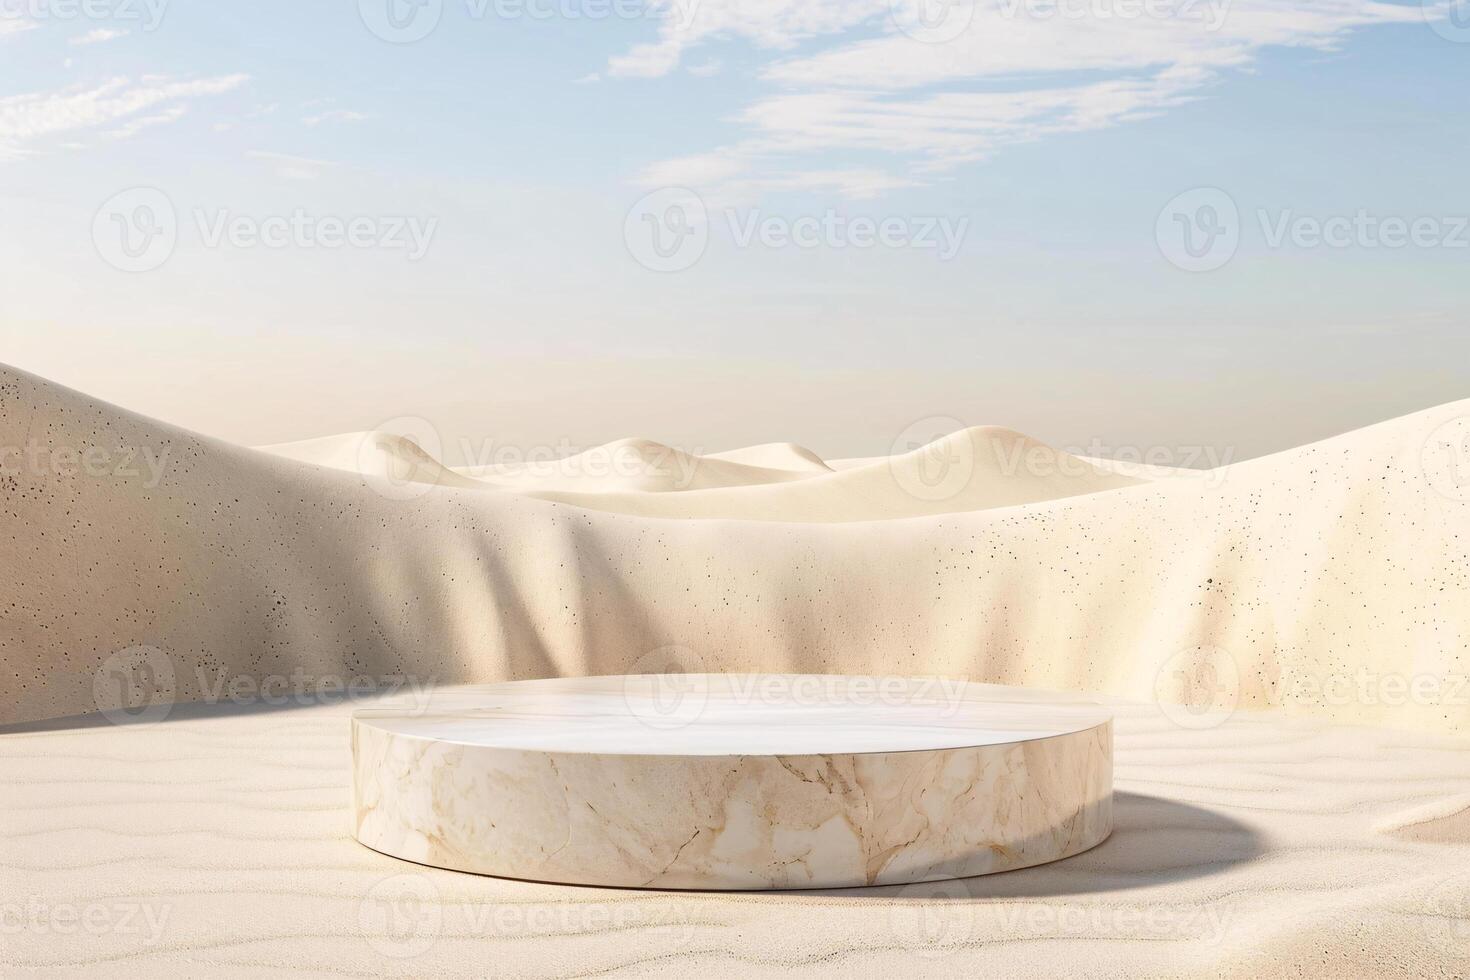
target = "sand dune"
x: 625, y: 465
x: 1289, y: 581
x: 636, y: 466
x: 386, y: 458
x: 1252, y: 619
x: 776, y: 456
x: 968, y: 470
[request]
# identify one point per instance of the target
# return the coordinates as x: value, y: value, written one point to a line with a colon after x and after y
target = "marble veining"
x: 733, y: 781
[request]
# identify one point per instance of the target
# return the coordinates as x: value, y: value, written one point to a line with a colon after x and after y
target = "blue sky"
x: 1051, y: 142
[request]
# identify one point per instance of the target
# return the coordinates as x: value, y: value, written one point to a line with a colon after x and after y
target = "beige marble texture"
x: 733, y: 781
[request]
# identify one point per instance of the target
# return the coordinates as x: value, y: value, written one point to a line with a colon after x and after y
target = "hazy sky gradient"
x: 1054, y: 140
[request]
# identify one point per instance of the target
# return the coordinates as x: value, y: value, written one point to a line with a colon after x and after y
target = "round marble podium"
x: 733, y: 781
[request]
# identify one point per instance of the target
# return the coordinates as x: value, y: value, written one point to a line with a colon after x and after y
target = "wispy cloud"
x: 26, y: 120
x: 98, y: 36
x: 14, y: 25
x: 771, y: 24
x: 137, y: 124
x: 292, y: 167
x: 991, y: 73
x: 336, y: 115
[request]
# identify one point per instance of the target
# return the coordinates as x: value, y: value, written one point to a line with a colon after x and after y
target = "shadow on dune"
x: 1154, y: 842
x: 190, y: 711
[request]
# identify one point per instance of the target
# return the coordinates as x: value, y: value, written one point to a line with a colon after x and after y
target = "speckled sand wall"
x: 1287, y: 581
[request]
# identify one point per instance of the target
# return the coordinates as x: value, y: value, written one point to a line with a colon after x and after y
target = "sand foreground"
x: 223, y: 847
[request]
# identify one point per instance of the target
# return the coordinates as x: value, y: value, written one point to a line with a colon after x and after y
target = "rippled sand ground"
x: 223, y: 846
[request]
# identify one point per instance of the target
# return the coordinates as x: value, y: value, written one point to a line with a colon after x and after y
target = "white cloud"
x: 728, y: 177
x: 336, y: 115
x: 292, y: 167
x: 137, y: 124
x: 699, y: 170
x: 996, y: 72
x: 98, y: 36
x: 30, y: 118
x: 590, y: 79
x: 776, y: 24
x: 13, y: 25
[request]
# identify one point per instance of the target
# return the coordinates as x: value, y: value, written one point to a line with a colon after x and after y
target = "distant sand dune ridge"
x: 1330, y: 580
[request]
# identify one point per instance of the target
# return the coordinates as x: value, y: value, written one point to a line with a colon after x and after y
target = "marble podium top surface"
x: 733, y: 714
